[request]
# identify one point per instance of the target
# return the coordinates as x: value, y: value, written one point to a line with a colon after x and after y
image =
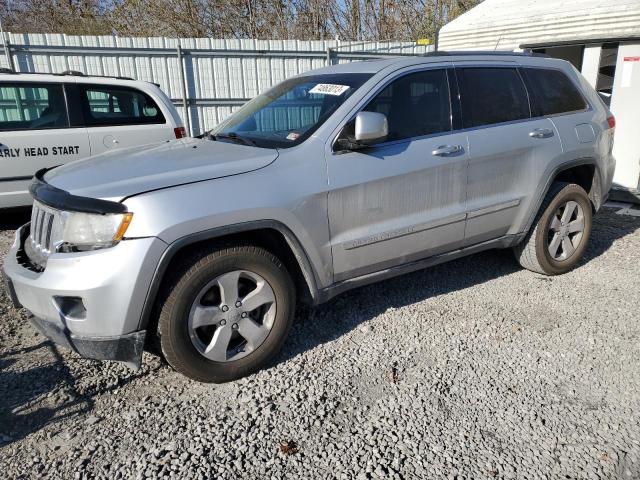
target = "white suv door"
x: 119, y: 116
x: 35, y: 133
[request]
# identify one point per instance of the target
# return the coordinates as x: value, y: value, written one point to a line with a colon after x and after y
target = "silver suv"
x: 333, y: 179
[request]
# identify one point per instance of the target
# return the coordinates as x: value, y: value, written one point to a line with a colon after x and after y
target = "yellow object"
x: 123, y: 227
x: 423, y: 41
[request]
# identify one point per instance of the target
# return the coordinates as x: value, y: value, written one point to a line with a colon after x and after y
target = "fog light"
x: 71, y: 308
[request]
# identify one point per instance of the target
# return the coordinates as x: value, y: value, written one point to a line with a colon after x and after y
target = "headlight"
x: 66, y: 231
x: 77, y: 231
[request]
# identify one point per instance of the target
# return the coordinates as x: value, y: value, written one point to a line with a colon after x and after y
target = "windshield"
x: 290, y: 112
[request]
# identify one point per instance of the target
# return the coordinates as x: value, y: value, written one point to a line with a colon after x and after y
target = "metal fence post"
x: 185, y: 99
x: 7, y: 48
x: 7, y: 53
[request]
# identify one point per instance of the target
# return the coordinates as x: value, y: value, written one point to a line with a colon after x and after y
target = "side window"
x: 553, y: 92
x: 113, y: 105
x: 415, y: 105
x: 30, y: 106
x: 492, y: 95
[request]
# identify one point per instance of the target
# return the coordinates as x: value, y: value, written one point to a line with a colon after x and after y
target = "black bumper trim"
x: 126, y: 348
x: 11, y: 291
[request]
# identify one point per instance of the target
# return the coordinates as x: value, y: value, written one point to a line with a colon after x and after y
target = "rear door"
x: 35, y: 133
x: 558, y: 98
x: 403, y: 199
x: 121, y: 116
x: 508, y: 149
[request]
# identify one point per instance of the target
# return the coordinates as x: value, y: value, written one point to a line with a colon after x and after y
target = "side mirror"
x: 371, y: 127
x: 367, y: 129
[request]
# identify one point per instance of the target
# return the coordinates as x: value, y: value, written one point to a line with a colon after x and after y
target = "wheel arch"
x: 269, y: 234
x: 582, y: 171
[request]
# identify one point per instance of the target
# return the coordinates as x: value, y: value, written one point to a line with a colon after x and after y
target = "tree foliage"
x: 264, y: 19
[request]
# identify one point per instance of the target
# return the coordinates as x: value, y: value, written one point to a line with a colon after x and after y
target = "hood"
x: 123, y: 173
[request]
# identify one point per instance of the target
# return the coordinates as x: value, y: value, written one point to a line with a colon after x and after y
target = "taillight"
x: 611, y: 121
x: 180, y: 132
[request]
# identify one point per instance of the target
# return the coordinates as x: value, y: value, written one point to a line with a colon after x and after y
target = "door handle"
x: 444, y: 150
x: 541, y: 133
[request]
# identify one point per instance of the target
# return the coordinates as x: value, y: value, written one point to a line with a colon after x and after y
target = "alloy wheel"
x: 232, y: 316
x: 566, y: 231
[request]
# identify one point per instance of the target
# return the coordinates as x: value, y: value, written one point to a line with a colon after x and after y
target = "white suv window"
x: 111, y: 105
x: 32, y: 106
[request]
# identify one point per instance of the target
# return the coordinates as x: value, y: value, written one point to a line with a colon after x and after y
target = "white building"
x: 600, y: 37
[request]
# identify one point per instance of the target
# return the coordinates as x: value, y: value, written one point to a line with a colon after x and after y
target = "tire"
x: 550, y: 231
x: 188, y: 316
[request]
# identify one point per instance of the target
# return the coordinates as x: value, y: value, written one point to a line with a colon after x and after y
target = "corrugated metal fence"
x: 206, y: 78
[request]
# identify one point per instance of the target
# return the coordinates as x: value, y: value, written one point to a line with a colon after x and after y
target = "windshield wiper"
x: 234, y: 137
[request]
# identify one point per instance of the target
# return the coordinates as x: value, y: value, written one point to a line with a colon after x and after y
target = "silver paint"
x: 358, y: 216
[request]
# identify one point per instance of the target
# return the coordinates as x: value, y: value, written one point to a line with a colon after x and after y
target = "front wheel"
x: 227, y: 315
x: 560, y: 233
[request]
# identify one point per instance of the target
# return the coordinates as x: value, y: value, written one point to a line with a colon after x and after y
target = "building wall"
x: 625, y: 105
x: 591, y: 63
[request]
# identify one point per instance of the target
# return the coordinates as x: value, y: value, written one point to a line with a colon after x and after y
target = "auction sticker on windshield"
x: 329, y: 89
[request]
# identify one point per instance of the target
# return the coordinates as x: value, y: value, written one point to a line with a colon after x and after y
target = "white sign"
x: 329, y: 89
x: 627, y: 70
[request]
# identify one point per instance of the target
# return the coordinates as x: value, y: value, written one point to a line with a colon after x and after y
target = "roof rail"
x: 76, y: 73
x: 70, y: 73
x: 73, y: 73
x: 465, y: 53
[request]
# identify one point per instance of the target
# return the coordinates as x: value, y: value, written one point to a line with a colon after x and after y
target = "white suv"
x: 50, y: 119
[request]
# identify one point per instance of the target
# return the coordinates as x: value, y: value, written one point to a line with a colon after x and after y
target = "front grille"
x: 38, y: 245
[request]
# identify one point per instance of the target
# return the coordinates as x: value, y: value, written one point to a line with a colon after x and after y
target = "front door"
x: 403, y: 199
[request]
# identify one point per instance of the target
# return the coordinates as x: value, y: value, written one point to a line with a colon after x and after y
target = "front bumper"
x: 125, y: 348
x: 89, y: 301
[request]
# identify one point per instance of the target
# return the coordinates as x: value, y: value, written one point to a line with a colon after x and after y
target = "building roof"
x: 510, y: 24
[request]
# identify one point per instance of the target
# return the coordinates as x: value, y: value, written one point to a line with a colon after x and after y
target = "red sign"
x: 632, y: 59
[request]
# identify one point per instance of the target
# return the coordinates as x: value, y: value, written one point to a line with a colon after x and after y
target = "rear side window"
x: 492, y: 95
x: 415, y: 105
x: 31, y: 106
x: 112, y: 105
x: 553, y: 92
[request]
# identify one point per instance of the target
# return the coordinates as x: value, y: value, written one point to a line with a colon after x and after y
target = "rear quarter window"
x: 492, y: 95
x: 553, y: 92
x: 114, y: 105
x: 32, y: 106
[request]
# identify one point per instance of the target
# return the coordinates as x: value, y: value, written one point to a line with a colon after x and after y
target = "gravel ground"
x: 473, y: 369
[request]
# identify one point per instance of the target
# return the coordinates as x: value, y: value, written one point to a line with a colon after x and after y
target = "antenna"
x: 497, y: 43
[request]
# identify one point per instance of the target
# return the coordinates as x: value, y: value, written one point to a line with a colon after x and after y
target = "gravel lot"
x: 473, y: 369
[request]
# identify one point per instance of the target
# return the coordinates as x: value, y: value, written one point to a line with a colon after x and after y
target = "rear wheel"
x: 560, y: 233
x: 227, y: 315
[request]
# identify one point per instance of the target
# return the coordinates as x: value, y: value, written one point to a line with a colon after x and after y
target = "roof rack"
x: 69, y: 73
x: 465, y: 53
